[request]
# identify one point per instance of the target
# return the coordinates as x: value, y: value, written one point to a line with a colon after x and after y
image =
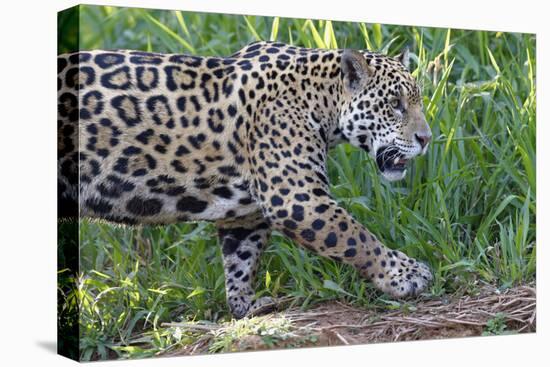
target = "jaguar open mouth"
x: 391, y: 160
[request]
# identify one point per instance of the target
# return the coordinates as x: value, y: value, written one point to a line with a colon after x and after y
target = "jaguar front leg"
x: 328, y: 230
x: 243, y: 242
x: 295, y: 197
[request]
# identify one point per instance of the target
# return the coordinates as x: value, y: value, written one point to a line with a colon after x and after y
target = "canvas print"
x: 232, y: 183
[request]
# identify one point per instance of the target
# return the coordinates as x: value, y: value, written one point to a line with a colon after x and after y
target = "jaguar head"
x: 382, y: 112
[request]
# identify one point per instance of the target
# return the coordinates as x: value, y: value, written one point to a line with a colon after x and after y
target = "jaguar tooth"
x: 396, y: 160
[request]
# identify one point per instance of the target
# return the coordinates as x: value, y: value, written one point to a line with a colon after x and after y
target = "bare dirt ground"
x: 335, y: 323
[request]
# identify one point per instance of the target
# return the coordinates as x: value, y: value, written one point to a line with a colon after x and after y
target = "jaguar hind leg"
x: 243, y: 242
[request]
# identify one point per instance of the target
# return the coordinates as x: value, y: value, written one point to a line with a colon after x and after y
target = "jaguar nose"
x: 423, y: 139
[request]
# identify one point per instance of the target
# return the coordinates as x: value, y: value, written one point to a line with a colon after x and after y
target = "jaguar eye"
x: 396, y: 104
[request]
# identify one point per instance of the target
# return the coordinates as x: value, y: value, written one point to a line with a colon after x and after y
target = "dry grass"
x: 335, y: 323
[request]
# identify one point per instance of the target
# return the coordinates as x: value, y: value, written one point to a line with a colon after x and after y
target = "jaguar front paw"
x: 400, y: 276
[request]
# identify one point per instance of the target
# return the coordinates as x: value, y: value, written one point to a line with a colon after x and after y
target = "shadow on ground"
x: 48, y: 345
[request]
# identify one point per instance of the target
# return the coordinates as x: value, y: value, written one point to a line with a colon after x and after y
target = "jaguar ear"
x: 355, y: 70
x: 403, y: 57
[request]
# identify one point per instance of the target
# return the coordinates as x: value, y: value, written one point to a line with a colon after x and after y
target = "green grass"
x: 467, y: 208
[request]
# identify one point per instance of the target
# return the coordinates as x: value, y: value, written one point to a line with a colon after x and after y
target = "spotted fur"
x: 147, y: 138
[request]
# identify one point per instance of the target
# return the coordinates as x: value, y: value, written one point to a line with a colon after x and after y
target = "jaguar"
x: 242, y: 141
